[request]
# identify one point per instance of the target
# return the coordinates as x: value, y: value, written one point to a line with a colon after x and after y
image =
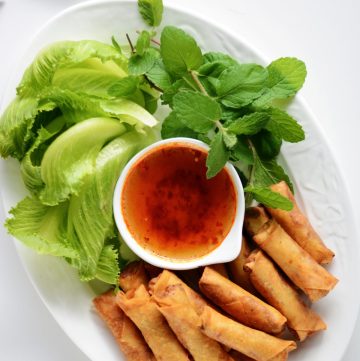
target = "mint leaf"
x: 217, y: 157
x: 213, y: 56
x: 179, y: 85
x: 276, y: 173
x: 151, y: 102
x: 269, y: 198
x: 143, y: 42
x: 242, y: 152
x: 173, y: 127
x: 151, y: 11
x: 284, y: 126
x: 140, y: 64
x: 286, y: 77
x: 124, y: 86
x: 267, y: 144
x: 196, y: 111
x: 179, y: 51
x: 240, y: 84
x: 249, y: 124
x: 158, y: 75
x: 229, y: 139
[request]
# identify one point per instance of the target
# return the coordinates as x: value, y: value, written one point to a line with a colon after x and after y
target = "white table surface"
x: 325, y: 34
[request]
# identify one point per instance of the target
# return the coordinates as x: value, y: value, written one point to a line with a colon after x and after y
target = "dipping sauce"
x: 169, y: 206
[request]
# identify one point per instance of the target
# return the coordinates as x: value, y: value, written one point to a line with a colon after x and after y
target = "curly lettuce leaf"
x: 71, y: 157
x: 40, y: 227
x: 59, y: 55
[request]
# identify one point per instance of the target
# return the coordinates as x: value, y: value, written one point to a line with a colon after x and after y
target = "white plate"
x: 320, y: 190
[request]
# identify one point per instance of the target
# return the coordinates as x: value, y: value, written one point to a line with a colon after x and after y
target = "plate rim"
x: 195, y: 14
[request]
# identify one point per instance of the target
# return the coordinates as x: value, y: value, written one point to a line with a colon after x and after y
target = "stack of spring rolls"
x: 238, y: 311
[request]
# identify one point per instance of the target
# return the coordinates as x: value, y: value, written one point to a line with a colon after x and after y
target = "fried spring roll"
x: 183, y: 320
x: 128, y: 337
x: 236, y: 267
x: 255, y: 218
x: 280, y: 294
x: 242, y: 305
x: 167, y: 278
x: 220, y: 268
x: 144, y: 313
x: 237, y: 356
x: 314, y: 280
x: 296, y: 224
x: 252, y: 343
x: 133, y: 276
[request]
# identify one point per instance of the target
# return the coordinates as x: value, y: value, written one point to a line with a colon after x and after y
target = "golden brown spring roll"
x: 314, y: 280
x: 242, y: 305
x: 280, y: 294
x: 167, y: 278
x: 183, y: 320
x: 128, y: 337
x: 133, y: 276
x: 296, y: 224
x: 252, y: 343
x: 220, y: 268
x: 146, y: 316
x: 255, y: 218
x: 236, y: 267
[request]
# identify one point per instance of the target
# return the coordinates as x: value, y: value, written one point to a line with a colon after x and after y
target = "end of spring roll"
x: 128, y: 337
x: 255, y: 344
x: 242, y: 305
x: 281, y: 295
x: 133, y: 276
x: 314, y: 280
x: 297, y: 225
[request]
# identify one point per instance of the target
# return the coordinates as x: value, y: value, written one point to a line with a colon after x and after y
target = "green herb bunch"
x: 217, y: 99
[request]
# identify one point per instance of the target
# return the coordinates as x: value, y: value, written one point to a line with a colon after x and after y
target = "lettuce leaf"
x: 40, y: 227
x: 90, y: 213
x: 71, y: 157
x: 40, y: 73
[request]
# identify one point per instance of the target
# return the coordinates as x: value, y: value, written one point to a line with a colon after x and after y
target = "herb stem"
x: 198, y: 82
x: 130, y: 43
x: 188, y: 82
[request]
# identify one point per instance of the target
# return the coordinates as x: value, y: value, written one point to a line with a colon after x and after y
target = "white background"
x: 325, y: 34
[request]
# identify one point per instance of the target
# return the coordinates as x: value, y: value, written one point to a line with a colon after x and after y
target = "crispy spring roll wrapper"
x: 236, y: 267
x: 144, y: 313
x: 220, y: 268
x: 167, y: 278
x: 314, y: 280
x: 242, y: 305
x: 280, y: 294
x: 296, y: 224
x: 255, y: 344
x: 255, y: 218
x: 128, y: 337
x: 133, y: 276
x: 183, y: 320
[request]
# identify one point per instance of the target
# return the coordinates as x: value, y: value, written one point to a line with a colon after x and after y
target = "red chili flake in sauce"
x: 171, y: 209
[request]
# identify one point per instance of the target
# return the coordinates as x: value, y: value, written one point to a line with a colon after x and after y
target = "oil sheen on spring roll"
x: 128, y: 337
x: 242, y: 305
x: 144, y: 313
x: 183, y: 320
x: 167, y: 278
x: 297, y: 225
x: 255, y: 218
x: 314, y: 280
x: 255, y: 344
x: 236, y: 267
x: 133, y: 276
x: 280, y: 294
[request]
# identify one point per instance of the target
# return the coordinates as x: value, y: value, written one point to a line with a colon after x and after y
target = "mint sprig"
x: 231, y: 106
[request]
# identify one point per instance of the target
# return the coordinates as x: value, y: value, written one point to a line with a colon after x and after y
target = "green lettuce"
x: 71, y: 157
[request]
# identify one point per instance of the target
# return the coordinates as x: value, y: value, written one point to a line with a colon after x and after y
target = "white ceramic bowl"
x: 225, y: 252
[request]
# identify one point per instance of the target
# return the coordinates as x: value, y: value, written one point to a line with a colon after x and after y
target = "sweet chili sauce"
x: 169, y: 206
